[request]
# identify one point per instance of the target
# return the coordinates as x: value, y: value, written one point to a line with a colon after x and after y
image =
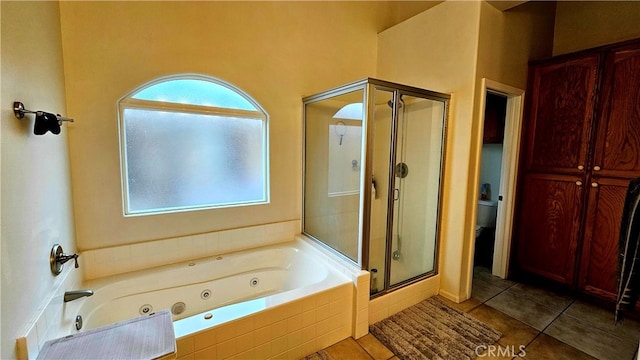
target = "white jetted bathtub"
x: 289, y: 280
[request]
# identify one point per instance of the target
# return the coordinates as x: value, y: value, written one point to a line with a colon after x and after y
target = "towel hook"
x: 19, y: 111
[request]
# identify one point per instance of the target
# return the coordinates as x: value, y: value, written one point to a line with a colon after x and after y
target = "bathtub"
x: 291, y: 282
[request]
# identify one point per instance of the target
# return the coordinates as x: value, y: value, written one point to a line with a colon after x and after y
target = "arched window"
x: 191, y: 142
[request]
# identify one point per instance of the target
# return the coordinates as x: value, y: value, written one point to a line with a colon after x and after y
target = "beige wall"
x: 36, y: 194
x: 586, y: 24
x: 276, y: 51
x: 507, y: 42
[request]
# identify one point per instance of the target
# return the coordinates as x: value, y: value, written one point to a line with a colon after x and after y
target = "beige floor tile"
x: 374, y: 347
x: 545, y: 347
x: 480, y: 272
x: 524, y: 309
x: 591, y: 340
x: 603, y: 320
x: 482, y: 290
x: 514, y: 332
x: 347, y: 349
x: 542, y: 296
x: 464, y: 306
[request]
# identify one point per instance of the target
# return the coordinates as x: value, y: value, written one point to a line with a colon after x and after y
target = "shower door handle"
x: 396, y: 194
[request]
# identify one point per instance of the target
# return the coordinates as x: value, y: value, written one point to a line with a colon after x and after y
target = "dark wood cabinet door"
x: 618, y: 137
x: 598, y: 270
x: 560, y: 114
x: 549, y: 225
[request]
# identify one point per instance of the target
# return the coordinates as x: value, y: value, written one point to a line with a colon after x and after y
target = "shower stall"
x: 373, y: 160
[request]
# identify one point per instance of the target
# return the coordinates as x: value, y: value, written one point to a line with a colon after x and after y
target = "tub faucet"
x: 76, y: 294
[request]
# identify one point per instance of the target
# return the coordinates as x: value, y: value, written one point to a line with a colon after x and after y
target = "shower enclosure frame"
x: 369, y: 87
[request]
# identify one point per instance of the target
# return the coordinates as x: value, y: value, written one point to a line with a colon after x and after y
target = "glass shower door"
x: 416, y: 171
x: 381, y: 125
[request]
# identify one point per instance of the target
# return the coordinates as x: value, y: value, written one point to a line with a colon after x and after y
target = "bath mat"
x: 433, y: 330
x: 320, y: 355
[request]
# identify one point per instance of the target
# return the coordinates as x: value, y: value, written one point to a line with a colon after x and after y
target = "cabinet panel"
x: 560, y: 114
x: 549, y: 225
x: 618, y: 141
x: 602, y: 229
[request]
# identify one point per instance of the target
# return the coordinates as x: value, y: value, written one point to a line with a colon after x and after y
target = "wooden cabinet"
x: 549, y: 236
x: 581, y: 148
x: 563, y: 94
x: 618, y: 135
x: 556, y: 149
x: 616, y: 161
x: 602, y: 228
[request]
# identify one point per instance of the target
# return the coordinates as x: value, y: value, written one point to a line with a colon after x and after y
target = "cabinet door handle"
x: 596, y: 168
x: 594, y: 184
x: 579, y: 183
x: 580, y: 167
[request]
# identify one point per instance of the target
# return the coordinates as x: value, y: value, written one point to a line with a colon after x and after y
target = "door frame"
x: 508, y: 170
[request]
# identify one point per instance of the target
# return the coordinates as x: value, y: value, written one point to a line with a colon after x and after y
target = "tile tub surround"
x: 54, y: 319
x: 312, y: 322
x: 236, y: 284
x: 126, y: 258
x: 289, y: 331
x: 287, y: 325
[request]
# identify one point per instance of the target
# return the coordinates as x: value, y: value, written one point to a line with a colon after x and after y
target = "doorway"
x: 504, y: 194
x: 490, y: 174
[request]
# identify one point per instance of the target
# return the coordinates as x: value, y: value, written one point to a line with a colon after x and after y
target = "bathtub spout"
x: 72, y: 295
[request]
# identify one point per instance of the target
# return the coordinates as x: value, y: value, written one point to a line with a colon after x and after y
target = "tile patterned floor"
x: 545, y: 324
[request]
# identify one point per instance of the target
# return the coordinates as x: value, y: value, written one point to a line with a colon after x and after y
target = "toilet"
x: 487, y: 211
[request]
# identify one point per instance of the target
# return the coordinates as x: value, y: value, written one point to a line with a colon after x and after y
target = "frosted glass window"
x: 195, y: 92
x: 177, y: 158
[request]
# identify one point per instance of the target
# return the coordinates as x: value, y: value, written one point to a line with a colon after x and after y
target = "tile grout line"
x: 559, y: 314
x: 540, y: 332
x: 498, y: 293
x: 552, y: 321
x: 596, y: 326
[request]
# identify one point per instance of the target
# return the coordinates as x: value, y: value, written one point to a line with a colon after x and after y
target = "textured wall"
x: 276, y: 51
x: 586, y: 24
x: 36, y: 193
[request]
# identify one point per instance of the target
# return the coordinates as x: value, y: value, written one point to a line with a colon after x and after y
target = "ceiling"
x: 503, y: 5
